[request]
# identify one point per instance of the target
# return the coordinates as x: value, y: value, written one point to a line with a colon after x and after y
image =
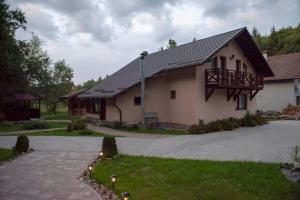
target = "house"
x: 212, y: 78
x: 284, y: 88
x: 21, y: 107
x: 76, y: 106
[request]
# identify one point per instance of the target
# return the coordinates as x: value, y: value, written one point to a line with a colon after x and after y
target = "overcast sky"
x: 98, y: 37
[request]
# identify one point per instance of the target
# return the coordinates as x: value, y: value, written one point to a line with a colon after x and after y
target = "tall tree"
x: 60, y: 83
x: 171, y: 44
x: 12, y: 76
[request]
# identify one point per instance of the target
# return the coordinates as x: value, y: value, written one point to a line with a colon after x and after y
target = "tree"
x: 89, y: 83
x: 194, y: 39
x: 60, y: 83
x: 12, y: 76
x: 171, y: 44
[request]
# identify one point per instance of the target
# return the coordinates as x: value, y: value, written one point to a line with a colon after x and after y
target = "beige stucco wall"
x: 157, y: 99
x: 217, y: 106
x: 190, y: 104
x: 276, y: 96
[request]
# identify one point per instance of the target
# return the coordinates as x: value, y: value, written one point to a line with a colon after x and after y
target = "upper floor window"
x: 173, y: 94
x: 245, y: 68
x: 242, y: 102
x: 137, y: 101
x: 223, y: 62
x: 238, y: 65
x: 214, y: 62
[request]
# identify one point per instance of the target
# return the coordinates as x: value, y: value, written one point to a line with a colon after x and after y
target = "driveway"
x: 50, y: 172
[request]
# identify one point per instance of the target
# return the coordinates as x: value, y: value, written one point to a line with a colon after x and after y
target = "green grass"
x: 62, y: 133
x: 17, y: 126
x: 5, y: 154
x: 171, y: 179
x: 62, y: 115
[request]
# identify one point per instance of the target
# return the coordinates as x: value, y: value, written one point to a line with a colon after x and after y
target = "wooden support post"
x: 237, y: 94
x: 230, y: 94
x: 252, y: 95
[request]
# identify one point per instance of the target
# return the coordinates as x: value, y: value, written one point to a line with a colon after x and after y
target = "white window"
x: 242, y: 102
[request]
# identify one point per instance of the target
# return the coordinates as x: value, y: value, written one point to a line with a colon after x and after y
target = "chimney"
x: 265, y: 54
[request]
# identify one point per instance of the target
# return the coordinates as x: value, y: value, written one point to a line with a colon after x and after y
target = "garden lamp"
x: 125, y: 195
x: 113, y: 180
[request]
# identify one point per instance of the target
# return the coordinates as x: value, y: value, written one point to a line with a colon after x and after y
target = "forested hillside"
x: 284, y: 40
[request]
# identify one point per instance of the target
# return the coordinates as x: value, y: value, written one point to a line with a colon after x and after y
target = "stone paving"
x: 47, y: 173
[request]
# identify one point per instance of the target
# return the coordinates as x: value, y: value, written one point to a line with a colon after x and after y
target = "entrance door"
x: 102, y: 109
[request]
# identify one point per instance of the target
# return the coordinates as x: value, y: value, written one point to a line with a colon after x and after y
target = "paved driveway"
x: 51, y: 171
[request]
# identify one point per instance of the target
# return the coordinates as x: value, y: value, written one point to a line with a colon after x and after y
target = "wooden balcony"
x: 235, y: 82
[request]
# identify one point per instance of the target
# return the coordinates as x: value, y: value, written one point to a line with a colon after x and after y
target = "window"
x: 245, y: 68
x: 93, y: 105
x: 214, y: 63
x: 242, y: 102
x: 238, y: 65
x: 298, y: 100
x: 137, y: 101
x: 173, y: 94
x: 223, y: 62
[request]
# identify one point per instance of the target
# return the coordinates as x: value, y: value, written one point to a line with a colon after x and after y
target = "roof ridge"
x: 285, y: 54
x: 199, y: 40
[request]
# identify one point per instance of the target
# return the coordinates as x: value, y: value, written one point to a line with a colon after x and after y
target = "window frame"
x: 238, y: 65
x: 223, y: 61
x: 137, y: 100
x: 173, y: 94
x: 245, y: 68
x: 238, y: 106
x: 93, y: 105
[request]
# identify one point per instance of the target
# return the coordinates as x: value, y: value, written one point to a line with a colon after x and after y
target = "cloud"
x: 97, y: 37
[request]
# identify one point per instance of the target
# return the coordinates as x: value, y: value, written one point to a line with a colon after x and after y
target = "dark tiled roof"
x: 189, y: 54
x: 24, y: 96
x: 284, y: 67
x: 73, y: 93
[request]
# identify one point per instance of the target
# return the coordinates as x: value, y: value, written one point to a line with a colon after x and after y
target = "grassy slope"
x: 18, y: 126
x: 5, y: 154
x: 161, y: 179
x: 61, y: 133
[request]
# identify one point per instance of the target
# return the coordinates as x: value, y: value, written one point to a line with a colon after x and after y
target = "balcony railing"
x: 221, y: 78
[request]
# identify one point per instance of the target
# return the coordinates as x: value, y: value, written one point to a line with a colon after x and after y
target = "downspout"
x: 120, y: 111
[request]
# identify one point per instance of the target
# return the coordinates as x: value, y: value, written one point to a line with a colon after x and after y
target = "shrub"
x: 227, y: 124
x: 129, y: 126
x: 70, y: 127
x: 259, y: 119
x: 35, y: 125
x: 85, y: 132
x: 193, y: 129
x: 109, y: 147
x: 79, y: 123
x: 236, y: 122
x: 116, y: 125
x: 22, y: 144
x: 214, y: 126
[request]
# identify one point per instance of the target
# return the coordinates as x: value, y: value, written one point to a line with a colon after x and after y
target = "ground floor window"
x: 137, y: 101
x: 242, y: 102
x: 298, y: 100
x: 93, y: 105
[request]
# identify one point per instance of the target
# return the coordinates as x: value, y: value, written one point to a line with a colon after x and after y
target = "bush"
x: 193, y: 129
x: 116, y: 125
x: 259, y: 120
x: 109, y: 147
x: 35, y: 125
x: 214, y: 126
x: 85, y: 132
x: 235, y: 122
x: 22, y: 144
x: 70, y: 127
x: 79, y: 123
x: 227, y: 124
x: 253, y: 120
x: 129, y: 126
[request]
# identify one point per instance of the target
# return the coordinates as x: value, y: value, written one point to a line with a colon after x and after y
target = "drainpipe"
x: 143, y: 55
x: 120, y: 111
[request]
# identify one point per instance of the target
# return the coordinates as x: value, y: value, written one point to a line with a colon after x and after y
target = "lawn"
x: 5, y: 154
x: 162, y: 179
x: 63, y: 133
x: 17, y: 126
